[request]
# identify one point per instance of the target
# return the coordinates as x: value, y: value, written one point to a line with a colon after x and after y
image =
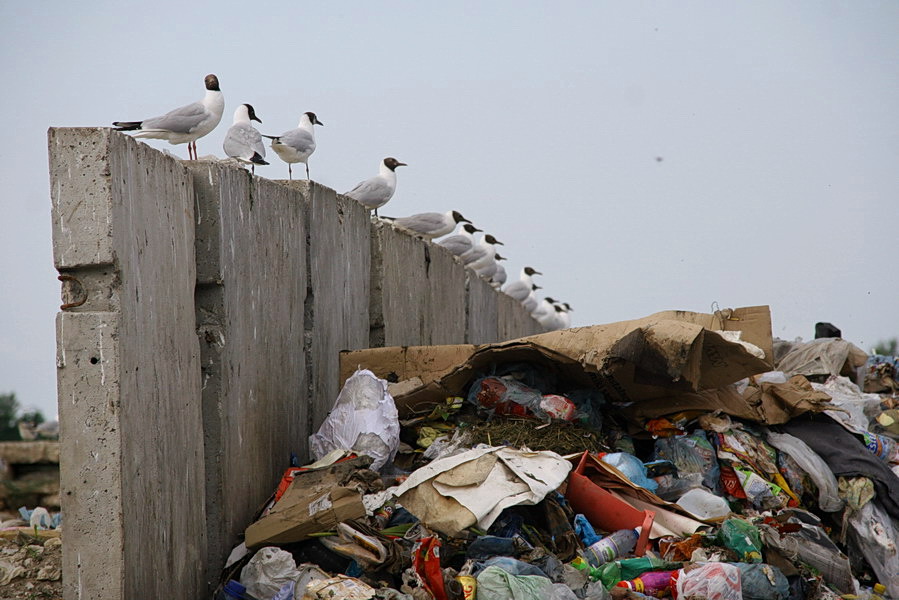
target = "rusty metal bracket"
x: 79, y: 286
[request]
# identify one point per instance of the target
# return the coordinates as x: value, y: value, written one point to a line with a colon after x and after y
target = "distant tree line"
x: 11, y: 414
x: 888, y: 347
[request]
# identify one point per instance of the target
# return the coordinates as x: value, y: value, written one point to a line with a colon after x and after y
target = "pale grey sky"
x: 776, y: 123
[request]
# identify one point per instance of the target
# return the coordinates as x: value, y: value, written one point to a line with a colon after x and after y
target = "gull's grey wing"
x: 298, y: 139
x: 423, y: 222
x: 180, y: 120
x: 457, y: 244
x: 518, y: 290
x: 370, y: 190
x: 242, y: 140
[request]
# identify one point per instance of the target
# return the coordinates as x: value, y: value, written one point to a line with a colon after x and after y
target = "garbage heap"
x: 681, y: 455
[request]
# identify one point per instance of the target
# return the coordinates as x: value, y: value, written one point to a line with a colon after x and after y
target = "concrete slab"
x: 418, y: 292
x: 482, y: 311
x: 129, y: 382
x: 251, y: 291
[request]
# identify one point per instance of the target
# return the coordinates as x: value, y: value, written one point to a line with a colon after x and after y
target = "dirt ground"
x: 30, y: 568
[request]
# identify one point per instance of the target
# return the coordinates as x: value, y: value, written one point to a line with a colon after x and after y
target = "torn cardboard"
x: 672, y: 351
x: 305, y: 509
x: 769, y: 403
x: 454, y: 493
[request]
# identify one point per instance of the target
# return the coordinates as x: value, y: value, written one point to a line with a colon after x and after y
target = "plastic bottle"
x: 656, y: 584
x: 879, y: 591
x: 613, y: 546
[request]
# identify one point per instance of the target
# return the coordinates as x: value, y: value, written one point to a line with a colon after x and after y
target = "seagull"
x: 242, y: 141
x: 521, y: 288
x: 482, y: 252
x: 429, y: 225
x: 553, y: 320
x: 499, y: 277
x: 545, y: 313
x: 488, y: 267
x: 186, y: 124
x: 377, y: 191
x: 462, y: 242
x: 530, y: 302
x: 564, y: 317
x: 297, y: 145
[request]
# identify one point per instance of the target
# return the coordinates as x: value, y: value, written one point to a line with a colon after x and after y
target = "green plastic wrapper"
x: 743, y: 538
x: 623, y: 570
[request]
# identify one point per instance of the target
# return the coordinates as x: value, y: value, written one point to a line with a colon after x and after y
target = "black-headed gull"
x: 522, y: 287
x: 487, y: 267
x: 481, y: 252
x: 462, y: 242
x: 530, y: 302
x: 499, y: 277
x: 243, y: 142
x: 429, y: 225
x: 377, y: 191
x: 183, y: 125
x: 297, y: 145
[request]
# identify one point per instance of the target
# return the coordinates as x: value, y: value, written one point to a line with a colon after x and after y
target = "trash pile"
x: 682, y: 455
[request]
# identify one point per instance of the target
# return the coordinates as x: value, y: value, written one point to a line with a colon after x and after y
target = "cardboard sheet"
x: 306, y: 507
x: 454, y: 493
x: 653, y: 357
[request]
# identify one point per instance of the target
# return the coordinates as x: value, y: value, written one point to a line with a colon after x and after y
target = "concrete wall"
x: 129, y: 369
x: 250, y: 304
x: 206, y: 347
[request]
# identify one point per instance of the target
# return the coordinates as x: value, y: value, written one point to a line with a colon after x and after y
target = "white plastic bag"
x: 268, y: 571
x: 704, y: 505
x: 876, y: 536
x: 364, y: 419
x: 856, y: 408
x: 828, y: 496
x: 712, y: 581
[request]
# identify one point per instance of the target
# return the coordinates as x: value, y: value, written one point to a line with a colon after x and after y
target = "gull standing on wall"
x: 183, y: 125
x: 462, y: 242
x: 297, y: 145
x: 488, y: 267
x: 499, y: 277
x: 243, y: 142
x: 521, y: 288
x: 530, y: 302
x: 429, y: 225
x: 482, y: 252
x: 377, y: 191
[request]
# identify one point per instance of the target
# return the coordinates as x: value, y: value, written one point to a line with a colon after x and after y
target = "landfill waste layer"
x: 606, y: 462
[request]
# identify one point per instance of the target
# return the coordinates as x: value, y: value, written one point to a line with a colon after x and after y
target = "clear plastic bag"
x: 876, y: 536
x: 712, y: 581
x: 828, y: 495
x: 496, y: 584
x: 695, y: 460
x: 506, y: 396
x: 632, y: 468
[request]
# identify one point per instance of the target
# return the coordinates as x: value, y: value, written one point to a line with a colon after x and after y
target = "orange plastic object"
x: 604, y: 510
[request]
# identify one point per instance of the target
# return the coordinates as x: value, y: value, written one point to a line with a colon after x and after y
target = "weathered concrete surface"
x: 482, y: 318
x: 418, y: 292
x: 128, y: 360
x: 251, y: 290
x: 180, y: 278
x: 512, y: 320
x: 339, y: 259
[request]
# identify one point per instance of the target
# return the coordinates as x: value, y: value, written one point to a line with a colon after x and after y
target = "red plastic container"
x: 604, y: 510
